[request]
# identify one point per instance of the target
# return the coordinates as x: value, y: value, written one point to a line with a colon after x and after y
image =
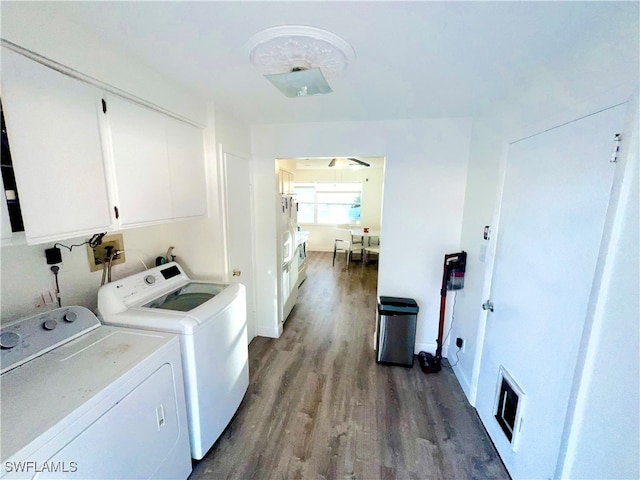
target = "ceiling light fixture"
x: 300, y: 60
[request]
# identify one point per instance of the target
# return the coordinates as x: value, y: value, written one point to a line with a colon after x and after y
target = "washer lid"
x: 187, y: 297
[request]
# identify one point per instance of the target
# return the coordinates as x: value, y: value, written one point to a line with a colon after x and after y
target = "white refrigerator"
x: 288, y: 227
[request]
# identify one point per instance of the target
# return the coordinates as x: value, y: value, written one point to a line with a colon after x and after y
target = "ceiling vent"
x: 300, y: 60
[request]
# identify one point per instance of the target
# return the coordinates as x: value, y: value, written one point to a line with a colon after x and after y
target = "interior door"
x: 239, y: 230
x: 555, y: 198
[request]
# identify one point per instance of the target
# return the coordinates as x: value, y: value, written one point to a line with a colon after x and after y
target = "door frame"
x: 251, y: 300
x: 568, y: 115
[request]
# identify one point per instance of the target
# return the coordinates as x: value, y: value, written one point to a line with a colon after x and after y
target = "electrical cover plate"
x: 98, y: 255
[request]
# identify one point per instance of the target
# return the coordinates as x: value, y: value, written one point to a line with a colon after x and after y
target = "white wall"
x: 480, y: 199
x: 425, y: 172
x: 539, y: 109
x: 602, y: 433
x: 490, y: 137
x: 322, y: 236
x: 25, y: 273
x: 594, y: 419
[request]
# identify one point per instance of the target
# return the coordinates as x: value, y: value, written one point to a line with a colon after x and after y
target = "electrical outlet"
x: 99, y: 256
x: 460, y: 343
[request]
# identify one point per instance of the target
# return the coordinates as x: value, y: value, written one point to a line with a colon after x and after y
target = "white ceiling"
x: 414, y: 59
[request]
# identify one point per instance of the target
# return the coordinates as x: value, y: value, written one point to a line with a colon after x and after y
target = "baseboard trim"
x: 268, y: 332
x: 464, y: 382
x: 425, y: 347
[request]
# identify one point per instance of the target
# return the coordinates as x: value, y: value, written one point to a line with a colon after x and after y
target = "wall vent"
x: 509, y: 406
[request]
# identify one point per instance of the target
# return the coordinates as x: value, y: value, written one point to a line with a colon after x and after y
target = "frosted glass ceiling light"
x: 300, y: 60
x: 300, y: 83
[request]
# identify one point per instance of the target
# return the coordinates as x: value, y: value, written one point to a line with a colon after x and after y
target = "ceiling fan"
x: 351, y: 162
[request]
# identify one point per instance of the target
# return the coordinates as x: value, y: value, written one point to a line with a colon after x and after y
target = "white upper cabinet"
x: 186, y: 169
x: 88, y: 162
x: 54, y: 135
x: 158, y: 164
x: 139, y: 155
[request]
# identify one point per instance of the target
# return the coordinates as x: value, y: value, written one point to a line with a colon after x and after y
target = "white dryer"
x: 81, y: 400
x: 211, y: 322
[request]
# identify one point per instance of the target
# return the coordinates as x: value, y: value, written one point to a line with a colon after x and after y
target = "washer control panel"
x: 118, y: 296
x: 27, y: 338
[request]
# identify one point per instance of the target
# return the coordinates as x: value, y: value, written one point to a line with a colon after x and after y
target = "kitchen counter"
x: 301, y: 236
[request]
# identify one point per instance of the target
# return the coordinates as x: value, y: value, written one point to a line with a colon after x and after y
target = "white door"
x: 555, y: 197
x: 239, y: 230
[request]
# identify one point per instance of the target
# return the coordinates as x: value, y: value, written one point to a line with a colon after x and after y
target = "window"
x: 329, y: 203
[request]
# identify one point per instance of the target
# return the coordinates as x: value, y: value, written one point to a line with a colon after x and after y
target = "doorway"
x: 328, y: 192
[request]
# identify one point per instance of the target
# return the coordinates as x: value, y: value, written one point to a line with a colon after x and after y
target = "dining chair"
x: 357, y: 241
x: 369, y: 249
x: 343, y: 243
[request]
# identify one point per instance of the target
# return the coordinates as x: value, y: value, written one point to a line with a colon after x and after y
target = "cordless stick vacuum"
x: 452, y: 279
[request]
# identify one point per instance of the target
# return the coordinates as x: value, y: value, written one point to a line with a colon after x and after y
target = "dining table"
x: 366, y: 237
x: 369, y: 234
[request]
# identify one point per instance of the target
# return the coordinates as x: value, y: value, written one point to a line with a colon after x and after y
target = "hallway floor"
x: 318, y: 405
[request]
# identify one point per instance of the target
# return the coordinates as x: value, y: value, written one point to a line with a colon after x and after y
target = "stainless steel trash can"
x: 396, y: 330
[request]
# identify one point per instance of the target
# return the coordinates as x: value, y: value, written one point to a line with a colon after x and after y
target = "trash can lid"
x: 397, y: 304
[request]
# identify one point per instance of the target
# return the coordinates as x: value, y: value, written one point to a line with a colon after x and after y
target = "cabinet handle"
x: 104, y: 106
x: 117, y: 212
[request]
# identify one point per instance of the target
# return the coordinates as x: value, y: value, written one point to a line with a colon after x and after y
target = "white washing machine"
x: 81, y: 400
x: 211, y: 322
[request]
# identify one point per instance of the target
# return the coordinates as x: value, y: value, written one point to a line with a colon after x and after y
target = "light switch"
x: 483, y: 252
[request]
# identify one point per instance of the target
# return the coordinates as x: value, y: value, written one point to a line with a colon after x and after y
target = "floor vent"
x: 508, y: 406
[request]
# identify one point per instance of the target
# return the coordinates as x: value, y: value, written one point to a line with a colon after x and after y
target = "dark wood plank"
x: 318, y: 406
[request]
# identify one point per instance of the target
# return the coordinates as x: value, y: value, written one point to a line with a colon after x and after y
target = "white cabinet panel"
x: 139, y: 155
x: 54, y: 134
x: 186, y: 168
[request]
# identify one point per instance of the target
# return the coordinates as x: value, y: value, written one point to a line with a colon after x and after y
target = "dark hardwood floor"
x: 318, y: 405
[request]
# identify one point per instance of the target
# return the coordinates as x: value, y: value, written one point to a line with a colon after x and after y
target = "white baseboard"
x: 464, y: 382
x: 268, y: 332
x: 312, y: 249
x: 425, y: 347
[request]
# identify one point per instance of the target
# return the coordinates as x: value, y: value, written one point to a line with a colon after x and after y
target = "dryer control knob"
x: 149, y: 279
x: 50, y: 325
x: 9, y: 339
x: 71, y: 317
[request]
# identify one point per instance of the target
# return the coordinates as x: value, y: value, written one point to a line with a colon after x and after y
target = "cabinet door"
x: 139, y: 156
x: 54, y: 134
x: 186, y: 168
